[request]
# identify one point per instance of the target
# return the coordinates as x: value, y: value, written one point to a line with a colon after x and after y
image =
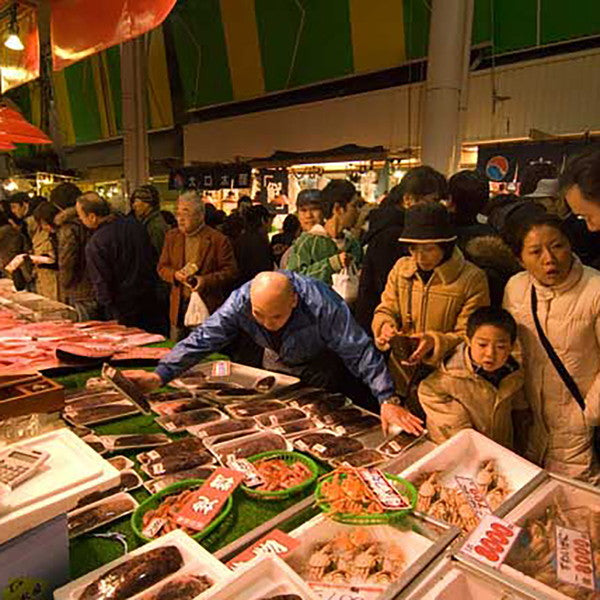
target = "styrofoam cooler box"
x: 72, y: 471
x: 463, y: 455
x: 449, y: 580
x: 407, y: 549
x: 558, y: 501
x: 196, y: 561
x: 26, y: 571
x: 263, y: 578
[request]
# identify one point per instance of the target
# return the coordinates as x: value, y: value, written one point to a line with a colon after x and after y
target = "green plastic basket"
x: 155, y: 500
x: 384, y: 518
x: 289, y: 458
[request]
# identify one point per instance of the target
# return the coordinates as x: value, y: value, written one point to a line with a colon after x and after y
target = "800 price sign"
x: 491, y: 541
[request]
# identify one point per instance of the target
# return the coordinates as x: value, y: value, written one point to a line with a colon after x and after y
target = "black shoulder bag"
x: 558, y: 364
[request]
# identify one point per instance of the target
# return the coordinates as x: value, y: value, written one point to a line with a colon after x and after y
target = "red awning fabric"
x: 81, y: 28
x: 15, y: 128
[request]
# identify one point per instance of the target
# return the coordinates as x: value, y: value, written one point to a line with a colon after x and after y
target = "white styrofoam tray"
x: 320, y: 529
x: 241, y: 375
x: 534, y: 506
x: 222, y: 451
x: 449, y: 580
x: 118, y: 496
x: 264, y: 577
x: 463, y: 454
x: 73, y: 470
x: 195, y: 559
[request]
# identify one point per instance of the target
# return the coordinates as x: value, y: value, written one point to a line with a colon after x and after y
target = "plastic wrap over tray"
x: 143, y: 573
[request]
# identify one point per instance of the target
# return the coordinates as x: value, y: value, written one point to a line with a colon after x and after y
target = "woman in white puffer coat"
x: 568, y: 309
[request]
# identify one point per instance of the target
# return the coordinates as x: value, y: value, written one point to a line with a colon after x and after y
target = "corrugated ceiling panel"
x: 558, y: 95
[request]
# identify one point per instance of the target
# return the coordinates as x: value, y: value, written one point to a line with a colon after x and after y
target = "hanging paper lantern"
x: 15, y: 128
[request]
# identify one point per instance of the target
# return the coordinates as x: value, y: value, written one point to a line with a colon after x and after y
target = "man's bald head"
x: 273, y: 299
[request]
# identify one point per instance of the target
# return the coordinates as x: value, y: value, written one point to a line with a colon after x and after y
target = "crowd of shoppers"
x: 486, y: 310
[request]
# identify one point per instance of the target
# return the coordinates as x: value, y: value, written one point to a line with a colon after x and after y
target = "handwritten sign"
x: 387, y: 495
x: 574, y: 561
x: 275, y: 542
x: 335, y: 591
x: 252, y: 477
x: 204, y: 505
x: 474, y: 496
x: 491, y: 541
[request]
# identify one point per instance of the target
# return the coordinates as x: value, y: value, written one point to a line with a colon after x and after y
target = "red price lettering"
x: 582, y: 559
x: 502, y: 529
x: 581, y: 544
x: 583, y: 569
x: 487, y: 553
x: 495, y: 536
x: 493, y: 545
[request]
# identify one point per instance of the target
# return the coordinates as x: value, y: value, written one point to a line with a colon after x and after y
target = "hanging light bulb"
x: 13, y: 41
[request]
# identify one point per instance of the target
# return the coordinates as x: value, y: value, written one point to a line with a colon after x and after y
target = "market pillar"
x: 133, y: 93
x: 449, y: 42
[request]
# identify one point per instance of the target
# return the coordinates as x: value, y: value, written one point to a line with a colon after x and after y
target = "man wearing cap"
x: 145, y: 203
x: 429, y: 295
x: 310, y: 332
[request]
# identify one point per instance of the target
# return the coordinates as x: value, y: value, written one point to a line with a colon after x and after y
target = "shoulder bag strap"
x: 558, y: 364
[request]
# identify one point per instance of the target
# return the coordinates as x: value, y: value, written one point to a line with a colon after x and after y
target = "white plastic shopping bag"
x: 345, y: 283
x: 196, y: 312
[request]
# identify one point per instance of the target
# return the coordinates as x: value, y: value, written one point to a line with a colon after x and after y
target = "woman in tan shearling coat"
x: 567, y: 295
x: 430, y: 294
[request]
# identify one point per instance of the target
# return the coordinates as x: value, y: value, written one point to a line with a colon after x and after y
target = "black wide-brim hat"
x: 427, y: 223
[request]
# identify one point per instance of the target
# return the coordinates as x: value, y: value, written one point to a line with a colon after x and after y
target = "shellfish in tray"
x: 355, y: 557
x: 450, y: 504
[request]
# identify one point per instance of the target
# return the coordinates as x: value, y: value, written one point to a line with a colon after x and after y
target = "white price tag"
x: 332, y: 591
x: 221, y: 368
x: 574, y: 561
x: 491, y: 541
x: 474, y: 496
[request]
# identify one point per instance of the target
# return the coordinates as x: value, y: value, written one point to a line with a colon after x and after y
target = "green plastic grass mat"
x: 88, y: 552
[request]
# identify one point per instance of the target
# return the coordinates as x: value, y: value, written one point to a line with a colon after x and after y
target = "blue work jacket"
x: 320, y: 321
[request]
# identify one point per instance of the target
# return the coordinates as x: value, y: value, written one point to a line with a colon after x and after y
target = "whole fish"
x: 134, y: 575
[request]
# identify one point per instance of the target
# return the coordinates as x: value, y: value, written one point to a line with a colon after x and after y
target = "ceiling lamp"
x: 13, y: 41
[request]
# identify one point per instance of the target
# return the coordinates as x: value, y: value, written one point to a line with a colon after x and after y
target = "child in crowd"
x: 480, y: 384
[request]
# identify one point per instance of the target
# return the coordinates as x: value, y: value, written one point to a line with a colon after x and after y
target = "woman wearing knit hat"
x: 428, y: 297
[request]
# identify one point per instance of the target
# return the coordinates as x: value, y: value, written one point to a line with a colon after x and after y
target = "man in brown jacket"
x: 195, y: 257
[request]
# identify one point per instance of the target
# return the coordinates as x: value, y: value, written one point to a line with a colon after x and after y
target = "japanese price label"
x: 387, y: 495
x: 252, y: 477
x: 491, y: 541
x: 204, y: 505
x: 332, y: 591
x: 275, y: 542
x: 221, y: 368
x: 574, y: 561
x: 474, y: 496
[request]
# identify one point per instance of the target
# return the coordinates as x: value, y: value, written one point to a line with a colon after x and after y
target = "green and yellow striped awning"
x: 225, y: 51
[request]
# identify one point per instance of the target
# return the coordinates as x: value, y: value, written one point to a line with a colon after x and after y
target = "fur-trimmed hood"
x: 491, y: 252
x: 69, y: 215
